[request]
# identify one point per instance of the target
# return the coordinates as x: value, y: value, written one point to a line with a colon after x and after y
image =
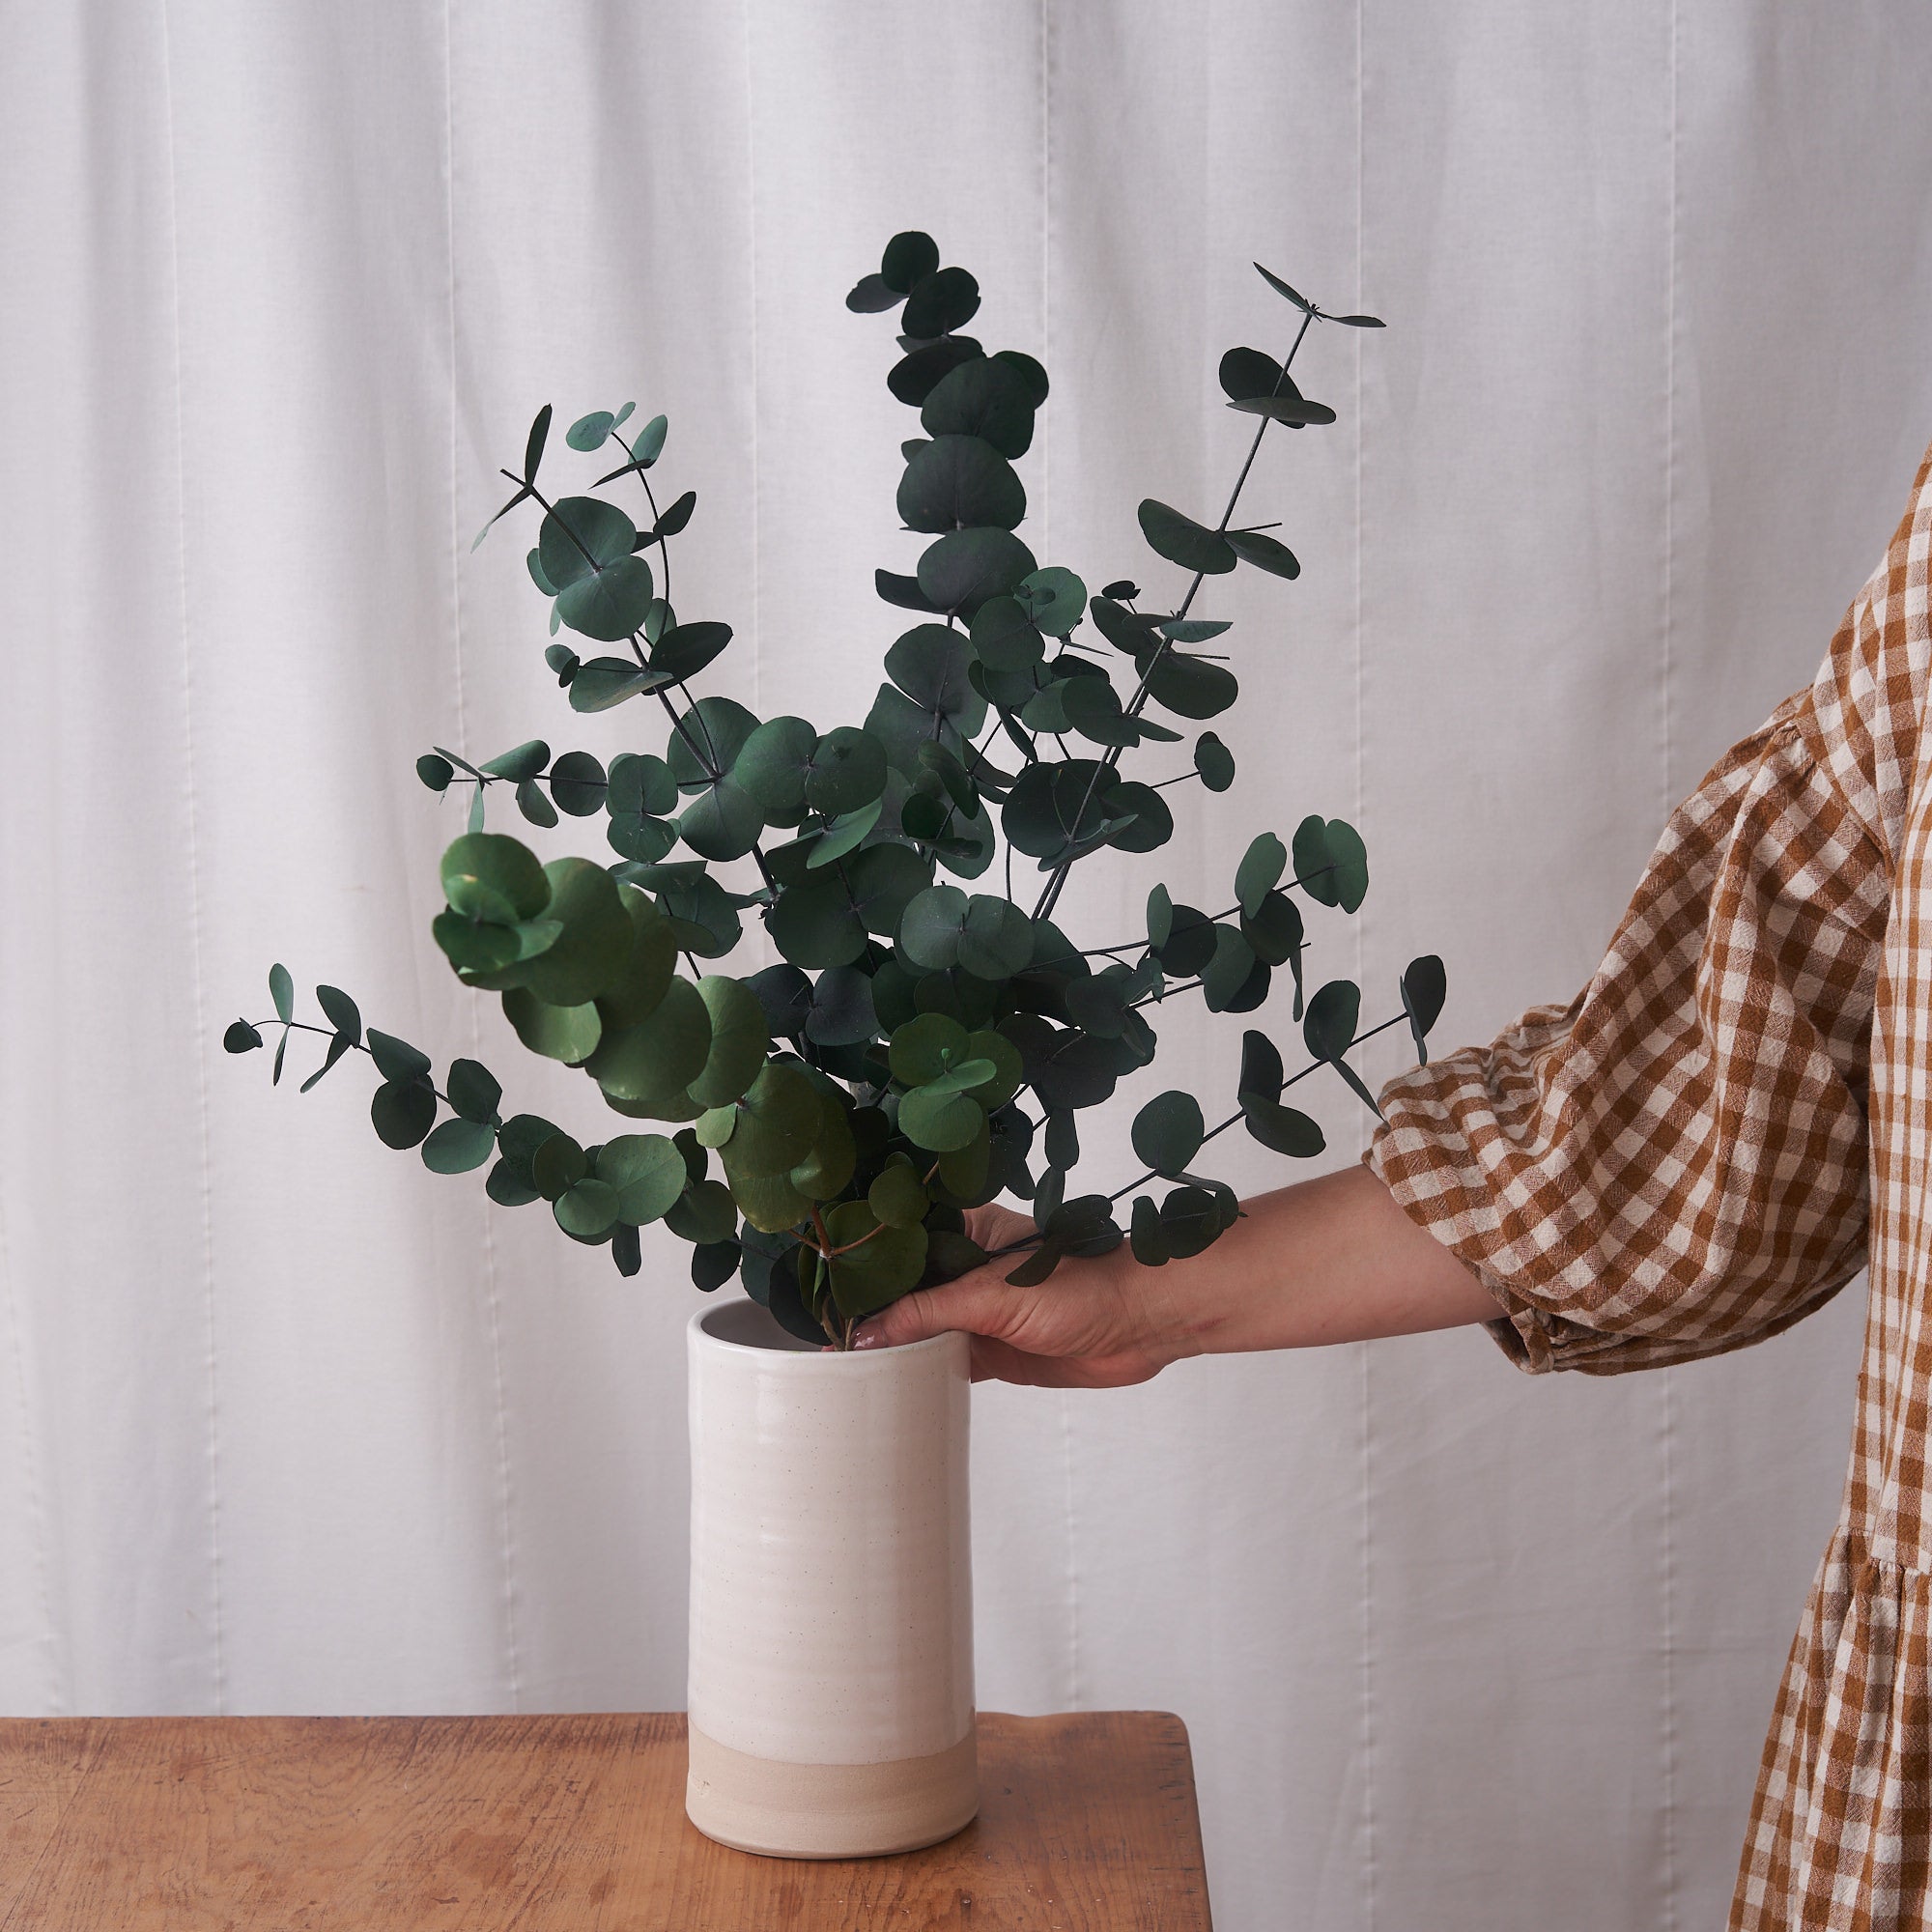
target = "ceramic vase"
x: 831, y: 1690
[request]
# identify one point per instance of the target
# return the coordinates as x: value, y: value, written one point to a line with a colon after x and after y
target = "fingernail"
x: 867, y: 1338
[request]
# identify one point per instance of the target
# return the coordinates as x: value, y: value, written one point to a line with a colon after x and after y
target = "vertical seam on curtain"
x: 492, y: 1301
x: 1666, y: 1445
x: 191, y: 802
x: 1045, y: 45
x: 751, y: 268
x: 1368, y: 1623
x: 30, y: 1469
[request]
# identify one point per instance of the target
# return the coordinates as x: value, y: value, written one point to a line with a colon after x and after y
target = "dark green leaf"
x: 240, y: 1038
x: 939, y: 302
x: 338, y: 1046
x: 960, y: 482
x: 342, y: 1012
x: 1227, y: 971
x: 435, y: 772
x: 963, y: 569
x: 1260, y: 871
x: 1183, y: 541
x: 902, y: 591
x: 1425, y: 986
x: 839, y: 1012
x: 984, y: 397
x: 723, y: 822
x: 458, y: 1146
x: 474, y: 1091
x: 678, y: 514
x: 739, y: 1041
x: 569, y: 1033
x: 557, y: 1165
x: 684, y: 651
x: 1168, y: 1133
x: 897, y: 1198
x: 1330, y: 1028
x: 488, y: 876
x: 1036, y: 1268
x: 707, y: 740
x: 1264, y: 552
x: 1247, y: 372
x: 586, y: 1212
x: 1295, y: 410
x: 1281, y: 288
x: 605, y: 682
x: 1191, y: 687
x: 625, y: 1250
x: 1261, y: 1068
x: 403, y: 1112
x: 1359, y: 320
x: 282, y: 991
x: 913, y: 379
x: 578, y: 783
x: 713, y: 1264
x: 396, y: 1059
x: 533, y: 805
x: 589, y: 431
x: 647, y: 1174
x: 871, y: 294
x: 847, y: 770
x: 815, y: 924
x: 1281, y: 1128
x: 1213, y: 761
x: 507, y: 1190
x: 1146, y: 1234
x: 909, y: 258
x: 1005, y: 638
x: 774, y: 762
x: 533, y: 447
x: 1190, y: 1219
x: 642, y: 783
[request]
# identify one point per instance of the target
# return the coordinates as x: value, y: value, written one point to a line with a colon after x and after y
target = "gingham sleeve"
x: 1673, y: 1164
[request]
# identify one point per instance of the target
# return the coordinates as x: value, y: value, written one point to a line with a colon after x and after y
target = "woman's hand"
x: 1328, y: 1260
x: 1098, y: 1324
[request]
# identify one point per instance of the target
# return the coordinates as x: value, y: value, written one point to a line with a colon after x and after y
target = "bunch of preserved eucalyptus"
x: 924, y: 1045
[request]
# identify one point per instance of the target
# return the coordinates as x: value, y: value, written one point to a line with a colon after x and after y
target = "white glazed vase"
x: 831, y: 1690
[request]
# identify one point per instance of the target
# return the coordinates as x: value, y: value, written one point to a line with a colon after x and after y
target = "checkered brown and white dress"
x: 1724, y: 1127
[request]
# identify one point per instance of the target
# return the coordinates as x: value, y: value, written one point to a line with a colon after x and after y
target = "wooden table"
x: 1087, y: 1824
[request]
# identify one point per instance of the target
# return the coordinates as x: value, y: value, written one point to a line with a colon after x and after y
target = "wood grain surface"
x: 1087, y: 1824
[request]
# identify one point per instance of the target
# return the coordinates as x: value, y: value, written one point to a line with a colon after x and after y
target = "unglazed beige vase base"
x: 830, y: 1810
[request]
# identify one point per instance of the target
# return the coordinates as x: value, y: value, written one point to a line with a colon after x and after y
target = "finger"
x: 980, y: 1304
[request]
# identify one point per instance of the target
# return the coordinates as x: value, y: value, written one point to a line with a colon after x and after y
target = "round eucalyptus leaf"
x: 1055, y: 599
x: 1055, y: 806
x: 581, y: 536
x: 922, y: 1049
x: 1256, y: 547
x: 909, y: 258
x: 507, y: 1190
x: 533, y: 805
x: 576, y: 782
x: 918, y: 373
x: 840, y: 1012
x: 815, y: 924
x: 604, y: 683
x: 1227, y: 969
x: 678, y: 514
x: 739, y: 1041
x: 1282, y: 1129
x: 557, y: 1165
x: 1183, y: 541
x: 634, y: 995
x: 474, y: 1091
x: 652, y: 1062
x: 457, y: 1146
x: 647, y: 1174
x: 1296, y: 411
x: 777, y: 1120
x: 1190, y: 1219
x: 1005, y: 638
x: 879, y: 1265
x: 844, y: 834
x: 1093, y: 708
x: 713, y: 1264
x: 1190, y: 943
x: 1213, y: 761
x: 770, y: 1202
x: 648, y: 444
x: 524, y: 761
x: 569, y: 1033
x: 435, y: 771
x: 897, y: 1198
x: 960, y: 482
x: 1328, y: 1028
x: 930, y: 931
x: 587, y: 1211
x: 871, y: 294
x: 592, y: 953
x: 985, y: 398
x: 640, y: 783
x: 1249, y: 372
x: 590, y: 431
x: 1260, y: 871
x: 996, y: 939
x: 486, y: 872
x: 939, y: 302
x: 705, y: 1213
x: 1146, y: 1234
x: 1168, y: 1133
x: 684, y: 650
x: 962, y: 570
x: 827, y: 1170
x: 706, y: 741
x: 476, y: 945
x: 1425, y: 986
x: 517, y: 1140
x: 1159, y: 917
x: 1275, y: 932
x: 883, y: 879
x: 1191, y: 687
x: 928, y: 664
x: 240, y: 1038
x: 847, y: 771
x: 774, y: 762
x: 341, y: 1012
x: 609, y: 603
x: 724, y: 821
x: 403, y: 1112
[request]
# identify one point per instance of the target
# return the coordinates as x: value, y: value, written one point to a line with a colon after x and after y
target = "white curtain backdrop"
x: 288, y: 1424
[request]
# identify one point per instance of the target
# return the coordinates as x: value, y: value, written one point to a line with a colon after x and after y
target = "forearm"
x: 1329, y: 1260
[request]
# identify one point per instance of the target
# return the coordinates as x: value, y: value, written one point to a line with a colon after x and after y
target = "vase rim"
x: 795, y: 1349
